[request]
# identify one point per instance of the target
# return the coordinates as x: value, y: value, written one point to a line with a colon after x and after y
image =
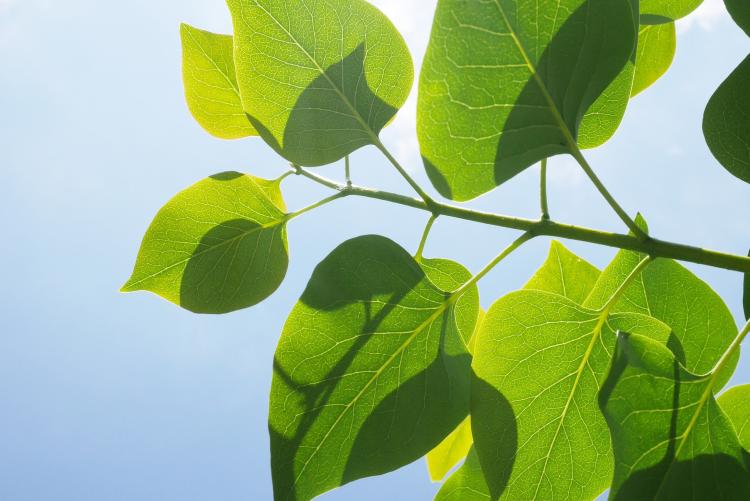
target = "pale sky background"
x: 110, y: 397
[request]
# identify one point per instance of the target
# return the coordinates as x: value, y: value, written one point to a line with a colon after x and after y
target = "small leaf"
x: 319, y: 79
x: 216, y: 247
x: 211, y: 84
x: 450, y: 451
x: 735, y: 402
x: 671, y: 440
x: 726, y: 123
x: 665, y: 11
x: 656, y: 49
x: 565, y: 274
x: 505, y: 84
x: 702, y: 325
x: 746, y: 295
x: 539, y: 365
x: 371, y: 371
x: 467, y: 483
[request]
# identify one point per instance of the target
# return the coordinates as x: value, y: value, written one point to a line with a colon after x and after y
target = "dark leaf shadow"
x: 326, y: 123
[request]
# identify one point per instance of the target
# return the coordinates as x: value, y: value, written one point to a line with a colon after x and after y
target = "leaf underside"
x: 656, y: 49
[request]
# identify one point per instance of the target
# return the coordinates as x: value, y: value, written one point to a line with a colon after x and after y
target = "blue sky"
x: 111, y: 397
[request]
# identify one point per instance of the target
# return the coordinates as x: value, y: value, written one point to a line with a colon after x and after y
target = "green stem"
x: 652, y: 247
x: 634, y: 228
x: 543, y: 191
x: 425, y: 234
x: 314, y: 206
x: 415, y: 186
x: 347, y: 171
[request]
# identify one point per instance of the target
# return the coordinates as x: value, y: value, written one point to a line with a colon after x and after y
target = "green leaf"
x: 319, y: 79
x: 450, y: 451
x: 735, y: 402
x: 665, y: 11
x: 702, y: 325
x: 371, y: 371
x: 740, y: 12
x: 216, y: 247
x: 540, y: 362
x: 726, y: 123
x: 504, y: 85
x: 565, y: 274
x: 746, y: 295
x: 211, y: 84
x: 670, y: 438
x: 656, y: 49
x: 467, y: 483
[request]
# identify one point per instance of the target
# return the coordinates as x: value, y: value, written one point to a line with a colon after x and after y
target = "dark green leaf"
x: 746, y: 295
x: 740, y: 12
x: 670, y: 438
x: 211, y: 84
x: 656, y: 49
x: 702, y: 324
x: 218, y: 246
x: 504, y: 85
x: 371, y: 371
x: 319, y: 79
x: 540, y: 361
x: 735, y: 402
x: 467, y: 483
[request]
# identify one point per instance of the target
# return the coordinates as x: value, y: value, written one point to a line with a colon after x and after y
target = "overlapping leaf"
x: 665, y: 11
x: 540, y: 362
x: 735, y: 402
x: 371, y: 371
x: 217, y: 246
x: 318, y: 79
x: 655, y: 53
x: 726, y: 122
x: 467, y: 484
x: 565, y: 274
x: 211, y: 90
x: 702, y: 325
x: 504, y: 84
x: 671, y: 439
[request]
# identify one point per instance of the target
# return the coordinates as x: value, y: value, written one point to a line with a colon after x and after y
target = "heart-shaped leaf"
x: 565, y: 274
x: 211, y: 84
x: 371, y: 371
x: 216, y: 247
x: 539, y: 364
x: 670, y: 438
x: 504, y: 84
x: 319, y: 79
x: 735, y: 402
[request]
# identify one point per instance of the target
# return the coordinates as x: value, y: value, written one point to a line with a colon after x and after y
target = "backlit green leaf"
x: 467, y: 483
x: 664, y: 11
x: 565, y: 274
x: 656, y: 49
x: 539, y: 364
x: 701, y: 322
x: 505, y: 84
x: 211, y: 84
x: 318, y: 79
x: 450, y: 451
x: 371, y: 371
x: 670, y: 438
x: 216, y: 247
x: 735, y: 402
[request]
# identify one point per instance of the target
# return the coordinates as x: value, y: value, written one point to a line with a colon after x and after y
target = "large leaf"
x: 670, y: 437
x: 656, y: 49
x: 702, y: 325
x: 735, y: 402
x: 665, y: 11
x: 211, y: 84
x: 540, y: 362
x: 467, y: 484
x: 504, y: 84
x: 726, y: 122
x: 217, y: 246
x: 318, y: 79
x: 565, y: 274
x: 371, y: 371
